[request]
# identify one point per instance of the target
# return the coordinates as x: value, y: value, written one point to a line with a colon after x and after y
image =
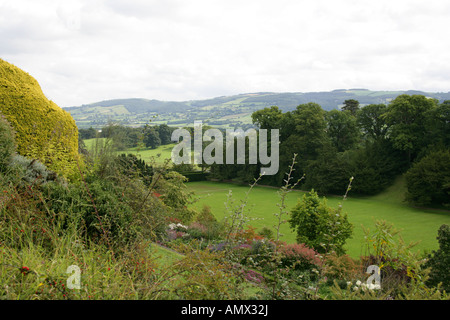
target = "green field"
x: 415, y: 224
x: 160, y: 154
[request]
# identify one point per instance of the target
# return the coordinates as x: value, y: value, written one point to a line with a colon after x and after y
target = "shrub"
x: 261, y: 251
x: 341, y: 268
x: 299, y: 257
x: 318, y: 226
x: 44, y: 131
x: 31, y: 171
x: 94, y: 209
x: 132, y: 166
x: 439, y: 260
x: 266, y: 233
x: 428, y: 180
x: 7, y: 145
x: 400, y: 267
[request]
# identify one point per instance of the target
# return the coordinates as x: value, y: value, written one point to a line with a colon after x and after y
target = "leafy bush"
x: 266, y: 233
x: 428, y: 180
x: 341, y: 268
x: 319, y: 226
x: 132, y: 166
x: 31, y: 171
x: 7, y: 145
x: 299, y: 257
x: 94, y: 208
x: 261, y: 251
x: 439, y: 260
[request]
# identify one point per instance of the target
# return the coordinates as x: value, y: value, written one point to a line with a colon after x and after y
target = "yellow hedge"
x: 44, y: 131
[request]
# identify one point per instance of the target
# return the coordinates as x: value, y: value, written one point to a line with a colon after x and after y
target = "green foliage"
x: 406, y: 117
x: 351, y: 105
x: 43, y: 130
x: 428, y: 180
x: 329, y: 173
x: 176, y: 197
x: 399, y: 265
x: 7, y: 145
x: 151, y: 137
x: 131, y: 166
x: 342, y: 129
x: 267, y: 118
x: 30, y: 171
x: 370, y: 119
x: 439, y: 260
x: 205, y: 275
x: 318, y: 226
x: 95, y: 208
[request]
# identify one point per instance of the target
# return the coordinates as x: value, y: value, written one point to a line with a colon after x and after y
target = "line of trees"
x: 374, y: 144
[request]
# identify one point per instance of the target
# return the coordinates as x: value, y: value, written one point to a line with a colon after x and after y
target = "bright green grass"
x: 164, y: 256
x: 160, y: 154
x: 415, y: 224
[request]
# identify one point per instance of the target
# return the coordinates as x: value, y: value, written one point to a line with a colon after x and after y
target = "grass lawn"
x: 160, y: 154
x: 416, y: 224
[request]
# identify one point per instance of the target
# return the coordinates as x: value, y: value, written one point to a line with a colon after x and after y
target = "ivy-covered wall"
x: 44, y: 131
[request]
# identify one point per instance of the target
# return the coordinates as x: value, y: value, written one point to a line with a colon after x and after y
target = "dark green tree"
x: 302, y: 131
x: 151, y: 137
x: 342, y: 129
x: 267, y: 118
x: 165, y: 134
x: 406, y: 117
x: 428, y: 180
x: 439, y: 260
x: 371, y: 121
x: 351, y: 105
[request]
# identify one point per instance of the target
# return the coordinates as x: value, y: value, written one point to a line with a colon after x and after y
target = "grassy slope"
x: 415, y: 224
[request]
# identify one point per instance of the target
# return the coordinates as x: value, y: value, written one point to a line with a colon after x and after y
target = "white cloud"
x: 83, y: 51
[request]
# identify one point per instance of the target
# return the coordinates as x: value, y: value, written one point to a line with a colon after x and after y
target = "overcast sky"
x: 86, y: 51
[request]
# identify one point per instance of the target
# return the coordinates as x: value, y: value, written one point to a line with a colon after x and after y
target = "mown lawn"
x: 416, y: 224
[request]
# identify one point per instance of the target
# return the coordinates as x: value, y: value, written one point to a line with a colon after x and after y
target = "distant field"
x: 415, y: 224
x: 160, y: 154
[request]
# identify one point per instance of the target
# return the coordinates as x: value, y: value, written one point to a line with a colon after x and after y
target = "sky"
x: 84, y: 51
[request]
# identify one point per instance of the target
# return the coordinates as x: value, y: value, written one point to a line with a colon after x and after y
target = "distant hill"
x: 225, y: 111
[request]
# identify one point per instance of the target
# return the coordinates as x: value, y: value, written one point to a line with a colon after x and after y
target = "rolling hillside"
x: 226, y: 111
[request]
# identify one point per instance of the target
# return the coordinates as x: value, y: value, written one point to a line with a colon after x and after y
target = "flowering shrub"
x: 253, y: 276
x: 358, y: 285
x: 247, y: 235
x: 197, y: 230
x: 177, y: 227
x: 341, y: 267
x: 261, y: 252
x: 299, y: 256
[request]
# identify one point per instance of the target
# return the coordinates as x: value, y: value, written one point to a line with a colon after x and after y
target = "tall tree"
x: 165, y: 133
x: 342, y: 129
x: 267, y: 118
x: 371, y: 121
x: 351, y: 105
x: 151, y: 137
x: 407, y: 115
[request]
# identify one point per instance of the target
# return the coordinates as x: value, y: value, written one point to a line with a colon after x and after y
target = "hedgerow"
x: 44, y: 131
